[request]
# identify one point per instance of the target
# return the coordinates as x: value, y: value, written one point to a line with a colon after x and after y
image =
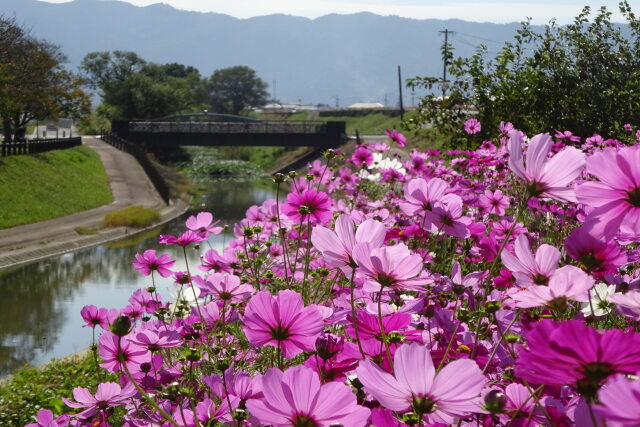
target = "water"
x: 40, y: 302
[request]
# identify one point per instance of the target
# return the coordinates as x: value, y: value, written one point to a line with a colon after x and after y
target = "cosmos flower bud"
x: 495, y: 401
x: 121, y: 326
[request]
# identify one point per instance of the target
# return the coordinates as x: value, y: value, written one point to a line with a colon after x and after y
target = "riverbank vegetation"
x: 43, y: 186
x: 132, y: 216
x: 32, y: 388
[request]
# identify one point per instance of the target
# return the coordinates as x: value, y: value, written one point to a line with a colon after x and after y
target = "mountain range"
x: 333, y: 59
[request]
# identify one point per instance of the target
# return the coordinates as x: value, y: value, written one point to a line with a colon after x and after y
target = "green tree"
x: 235, y: 89
x: 33, y: 81
x: 138, y: 89
x: 583, y: 77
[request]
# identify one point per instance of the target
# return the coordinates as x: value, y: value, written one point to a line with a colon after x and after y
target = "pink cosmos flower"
x: 628, y: 304
x: 494, y: 202
x: 224, y: 287
x: 337, y: 246
x: 527, y: 269
x: 420, y: 195
x: 616, y: 196
x: 212, y: 260
x: 453, y: 392
x: 620, y: 402
x: 446, y: 216
x: 146, y: 300
x: 595, y: 255
x: 389, y: 266
x: 567, y: 283
x: 94, y: 316
x: 472, y: 126
x: 572, y: 353
x: 282, y: 321
x: 155, y: 340
x: 567, y: 135
x: 107, y: 396
x: 544, y: 177
x: 203, y: 224
x: 396, y: 137
x: 185, y: 239
x: 116, y: 352
x: 45, y: 418
x: 149, y: 262
x: 296, y: 398
x: 311, y: 205
x: 627, y: 127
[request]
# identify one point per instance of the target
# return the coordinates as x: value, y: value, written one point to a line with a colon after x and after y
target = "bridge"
x: 206, y: 129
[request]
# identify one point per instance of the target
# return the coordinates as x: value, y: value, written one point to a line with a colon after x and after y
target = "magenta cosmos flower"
x: 107, y: 396
x: 545, y: 177
x: 595, y: 255
x: 472, y: 126
x: 296, y: 398
x: 396, y: 137
x: 149, y: 262
x: 94, y: 316
x: 282, y: 321
x: 45, y: 418
x: 572, y: 353
x: 311, y: 205
x: 527, y: 268
x: 337, y: 246
x: 616, y: 196
x: 453, y: 392
x: 494, y: 202
x: 389, y: 266
x: 620, y: 402
x: 118, y: 351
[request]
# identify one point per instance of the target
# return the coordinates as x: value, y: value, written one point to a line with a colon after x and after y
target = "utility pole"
x: 445, y: 57
x: 400, y: 90
x: 337, y: 98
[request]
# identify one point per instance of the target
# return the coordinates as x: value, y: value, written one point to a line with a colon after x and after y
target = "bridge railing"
x: 33, y: 146
x: 152, y: 172
x: 266, y: 127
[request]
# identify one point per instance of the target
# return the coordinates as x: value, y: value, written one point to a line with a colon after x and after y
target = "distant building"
x: 365, y: 105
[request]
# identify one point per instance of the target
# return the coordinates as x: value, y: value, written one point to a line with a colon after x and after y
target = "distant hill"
x: 352, y: 57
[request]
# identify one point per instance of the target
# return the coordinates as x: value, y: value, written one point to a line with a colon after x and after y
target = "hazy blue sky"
x: 492, y: 11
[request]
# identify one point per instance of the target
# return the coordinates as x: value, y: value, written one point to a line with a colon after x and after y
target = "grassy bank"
x: 33, y: 388
x: 49, y: 185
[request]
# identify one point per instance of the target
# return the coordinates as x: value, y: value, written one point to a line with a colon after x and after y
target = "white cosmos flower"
x: 600, y: 294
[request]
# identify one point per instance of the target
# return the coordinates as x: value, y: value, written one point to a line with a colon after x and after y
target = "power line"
x: 482, y: 38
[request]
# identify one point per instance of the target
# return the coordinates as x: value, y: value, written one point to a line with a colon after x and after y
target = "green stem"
x: 383, y: 334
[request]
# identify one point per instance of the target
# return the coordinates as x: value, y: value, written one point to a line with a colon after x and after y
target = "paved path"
x: 129, y: 186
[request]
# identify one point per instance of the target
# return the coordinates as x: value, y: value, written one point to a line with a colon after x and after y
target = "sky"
x: 498, y: 11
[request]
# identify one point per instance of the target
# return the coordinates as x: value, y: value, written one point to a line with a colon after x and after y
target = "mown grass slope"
x: 49, y: 185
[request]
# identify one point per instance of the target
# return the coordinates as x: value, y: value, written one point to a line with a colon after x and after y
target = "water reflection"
x: 41, y: 302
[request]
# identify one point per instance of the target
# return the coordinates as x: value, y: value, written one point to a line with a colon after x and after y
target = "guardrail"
x: 34, y: 146
x: 229, y: 127
x: 152, y: 172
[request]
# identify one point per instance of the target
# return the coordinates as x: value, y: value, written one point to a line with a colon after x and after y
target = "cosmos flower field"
x: 394, y: 287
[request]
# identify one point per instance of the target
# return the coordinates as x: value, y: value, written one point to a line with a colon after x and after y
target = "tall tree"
x: 232, y: 90
x: 33, y: 81
x: 138, y: 89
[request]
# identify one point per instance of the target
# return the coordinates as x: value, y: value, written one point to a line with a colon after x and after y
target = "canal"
x: 40, y: 302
